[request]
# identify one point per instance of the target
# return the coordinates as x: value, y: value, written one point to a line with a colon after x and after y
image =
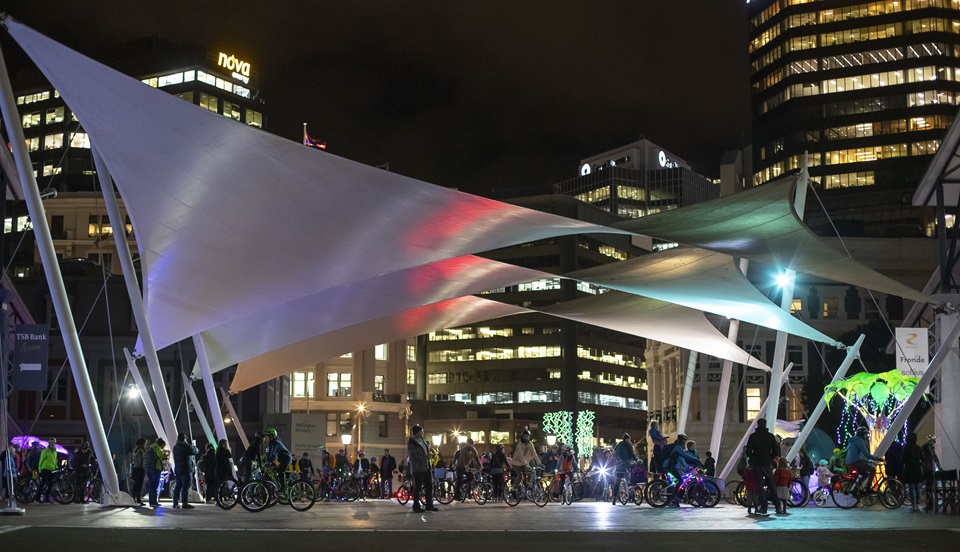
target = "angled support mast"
x: 786, y: 301
x: 136, y: 300
x: 68, y: 328
x: 209, y: 388
x: 726, y: 373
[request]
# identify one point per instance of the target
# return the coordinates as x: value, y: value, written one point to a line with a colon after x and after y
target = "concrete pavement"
x: 386, y: 523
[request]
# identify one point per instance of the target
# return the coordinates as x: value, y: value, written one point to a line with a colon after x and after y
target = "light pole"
x: 551, y: 440
x: 361, y: 412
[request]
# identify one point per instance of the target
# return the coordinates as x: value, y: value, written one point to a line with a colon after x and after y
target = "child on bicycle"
x: 824, y: 474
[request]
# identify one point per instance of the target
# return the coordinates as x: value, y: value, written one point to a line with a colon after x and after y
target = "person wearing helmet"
x: 48, y: 464
x: 525, y: 454
x: 859, y: 457
x: 824, y: 474
x: 277, y: 453
x: 624, y: 455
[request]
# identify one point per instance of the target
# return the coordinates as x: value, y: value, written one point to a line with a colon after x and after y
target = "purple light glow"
x: 26, y: 441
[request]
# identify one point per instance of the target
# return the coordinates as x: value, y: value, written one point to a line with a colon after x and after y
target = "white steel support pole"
x: 728, y: 467
x: 10, y: 508
x: 853, y: 353
x: 144, y: 396
x: 192, y: 395
x: 136, y: 300
x: 947, y: 346
x: 780, y: 350
x: 58, y: 295
x: 235, y: 418
x: 726, y: 373
x: 687, y: 391
x: 209, y: 388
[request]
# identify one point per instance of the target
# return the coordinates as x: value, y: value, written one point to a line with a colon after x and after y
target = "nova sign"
x: 240, y: 70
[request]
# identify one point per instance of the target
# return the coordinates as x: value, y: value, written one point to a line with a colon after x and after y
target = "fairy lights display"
x: 585, y: 433
x: 559, y: 423
x: 871, y: 400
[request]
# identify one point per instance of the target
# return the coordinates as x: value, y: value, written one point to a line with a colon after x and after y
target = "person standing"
x: 419, y: 457
x: 306, y: 467
x: 806, y: 468
x: 929, y: 464
x: 388, y: 464
x: 185, y: 464
x: 782, y: 480
x: 659, y: 441
x: 467, y: 461
x: 9, y: 469
x: 623, y: 455
x: 211, y: 483
x: 761, y: 449
x: 224, y: 464
x: 153, y: 461
x: 251, y: 455
x: 137, y: 472
x: 710, y: 465
x: 912, y: 461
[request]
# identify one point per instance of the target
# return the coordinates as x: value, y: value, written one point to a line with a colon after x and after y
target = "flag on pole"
x: 312, y: 142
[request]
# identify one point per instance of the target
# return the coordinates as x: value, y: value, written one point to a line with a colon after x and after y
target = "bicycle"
x: 799, y: 494
x: 631, y: 488
x: 258, y: 495
x: 849, y: 491
x: 693, y: 487
x: 479, y: 488
x: 529, y: 485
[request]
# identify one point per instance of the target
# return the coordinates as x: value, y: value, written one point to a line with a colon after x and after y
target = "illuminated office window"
x: 30, y: 120
x: 753, y: 402
x: 380, y: 352
x: 301, y: 385
x: 54, y: 115
x: 231, y: 110
x: 209, y: 102
x: 52, y: 141
x: 254, y: 118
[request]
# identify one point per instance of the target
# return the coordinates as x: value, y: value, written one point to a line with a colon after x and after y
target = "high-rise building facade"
x: 868, y: 88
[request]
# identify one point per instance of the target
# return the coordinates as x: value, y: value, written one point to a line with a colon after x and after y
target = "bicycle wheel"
x: 892, y: 494
x: 255, y: 496
x: 820, y: 496
x: 578, y: 491
x: 844, y: 494
x: 566, y: 495
x: 799, y: 494
x: 486, y: 491
x: 302, y: 496
x: 443, y: 491
x: 26, y: 491
x: 707, y: 494
x: 228, y: 493
x: 740, y: 494
x: 730, y: 492
x: 538, y: 493
x: 659, y: 493
x: 623, y: 492
x: 404, y: 493
x: 513, y: 491
x: 93, y: 491
x: 62, y: 491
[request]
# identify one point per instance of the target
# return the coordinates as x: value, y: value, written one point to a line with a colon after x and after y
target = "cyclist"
x: 47, y: 465
x: 467, y: 461
x: 624, y: 454
x: 524, y: 454
x: 859, y: 457
x: 252, y: 454
x: 568, y: 465
x: 278, y: 454
x: 659, y: 442
x: 82, y: 460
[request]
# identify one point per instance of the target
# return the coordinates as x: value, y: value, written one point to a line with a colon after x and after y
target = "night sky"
x: 467, y: 94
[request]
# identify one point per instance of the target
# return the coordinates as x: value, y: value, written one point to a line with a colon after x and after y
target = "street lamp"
x: 437, y: 439
x: 346, y: 438
x: 361, y: 411
x: 551, y: 440
x: 462, y: 438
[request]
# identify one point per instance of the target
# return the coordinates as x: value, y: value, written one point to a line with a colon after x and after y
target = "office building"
x: 868, y: 89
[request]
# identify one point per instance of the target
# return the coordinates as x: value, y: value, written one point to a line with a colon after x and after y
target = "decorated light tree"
x: 873, y: 400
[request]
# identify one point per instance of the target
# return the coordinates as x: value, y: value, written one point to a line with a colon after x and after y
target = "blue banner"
x: 31, y: 350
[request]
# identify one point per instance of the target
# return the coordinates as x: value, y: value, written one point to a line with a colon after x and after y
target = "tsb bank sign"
x: 240, y: 70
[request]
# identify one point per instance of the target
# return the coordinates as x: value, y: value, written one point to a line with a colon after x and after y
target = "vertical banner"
x: 30, y: 354
x: 913, y: 351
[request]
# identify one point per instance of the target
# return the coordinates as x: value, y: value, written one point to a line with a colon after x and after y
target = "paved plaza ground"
x: 385, y: 525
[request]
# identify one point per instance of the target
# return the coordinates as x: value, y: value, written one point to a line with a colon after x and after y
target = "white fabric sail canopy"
x: 231, y: 220
x: 418, y: 321
x: 666, y: 322
x: 354, y: 303
x: 702, y: 280
x: 762, y: 225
